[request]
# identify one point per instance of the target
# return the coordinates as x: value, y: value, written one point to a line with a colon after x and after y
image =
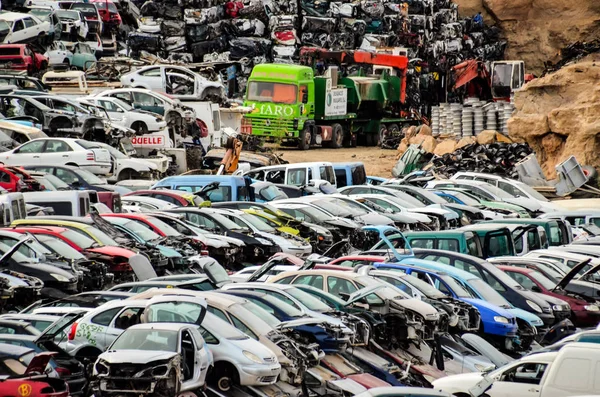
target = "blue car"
x: 285, y: 312
x: 375, y: 180
x: 212, y: 187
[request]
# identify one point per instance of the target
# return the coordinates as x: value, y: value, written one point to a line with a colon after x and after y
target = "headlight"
x: 558, y: 308
x: 60, y: 277
x: 160, y: 370
x: 252, y: 357
x: 534, y: 306
x: 500, y: 319
x: 101, y: 368
x: 464, y: 219
x: 453, y: 320
x: 263, y: 241
x: 591, y: 308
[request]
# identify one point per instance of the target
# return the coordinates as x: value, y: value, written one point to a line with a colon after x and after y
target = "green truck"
x: 291, y: 104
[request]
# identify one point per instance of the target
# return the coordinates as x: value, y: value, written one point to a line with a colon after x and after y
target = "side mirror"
x: 535, y: 288
x: 305, y: 97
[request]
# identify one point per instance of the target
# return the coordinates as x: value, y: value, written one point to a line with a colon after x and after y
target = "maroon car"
x: 585, y: 312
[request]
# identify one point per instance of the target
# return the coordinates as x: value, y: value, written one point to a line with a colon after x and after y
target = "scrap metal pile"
x: 247, y: 33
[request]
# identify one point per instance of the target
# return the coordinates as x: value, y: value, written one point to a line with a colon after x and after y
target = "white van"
x: 297, y: 174
x: 572, y: 371
x: 69, y: 203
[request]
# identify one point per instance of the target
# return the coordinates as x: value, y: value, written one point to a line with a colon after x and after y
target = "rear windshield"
x: 222, y: 193
x: 359, y: 175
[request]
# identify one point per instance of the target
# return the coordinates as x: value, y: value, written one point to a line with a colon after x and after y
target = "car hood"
x: 529, y: 204
x: 491, y: 307
x: 429, y: 210
x: 168, y: 252
x: 342, y: 222
x: 417, y: 305
x: 373, y: 218
x: 448, y: 214
x: 112, y: 251
x: 464, y: 380
x: 552, y: 300
x: 525, y: 315
x: 135, y: 356
x: 15, y: 281
x: 299, y: 322
x: 405, y: 217
x: 571, y: 275
x: 348, y: 385
x: 137, y: 165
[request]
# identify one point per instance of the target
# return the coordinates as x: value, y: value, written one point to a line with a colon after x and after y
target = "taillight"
x: 91, y: 156
x: 63, y: 371
x: 73, y: 331
x: 246, y: 127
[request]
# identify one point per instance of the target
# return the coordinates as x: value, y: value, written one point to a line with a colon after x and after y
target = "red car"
x: 33, y: 383
x: 585, y: 312
x: 162, y: 229
x: 22, y: 57
x: 352, y: 261
x: 115, y: 258
x: 108, y: 12
x: 16, y: 179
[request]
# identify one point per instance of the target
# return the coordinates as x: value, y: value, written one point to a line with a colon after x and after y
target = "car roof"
x: 515, y: 269
x: 9, y: 350
x: 160, y: 326
x: 12, y: 16
x: 167, y: 192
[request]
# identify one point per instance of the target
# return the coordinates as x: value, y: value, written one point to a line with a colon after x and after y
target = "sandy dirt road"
x: 378, y: 162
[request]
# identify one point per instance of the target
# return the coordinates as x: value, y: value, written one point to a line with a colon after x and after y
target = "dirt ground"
x: 378, y: 162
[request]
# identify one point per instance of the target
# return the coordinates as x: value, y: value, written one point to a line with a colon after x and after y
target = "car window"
x: 297, y: 177
x: 200, y: 220
x: 67, y: 176
x: 29, y: 22
x: 280, y: 297
x: 448, y: 245
x: 315, y: 281
x: 422, y: 243
x: 103, y: 318
x: 7, y: 331
x: 124, y: 96
x: 285, y: 280
x: 521, y: 279
x: 208, y: 337
x: 4, y: 177
x: 57, y: 147
x: 242, y: 327
x: 340, y: 287
x: 128, y: 317
x: 109, y: 106
x: 31, y: 147
x: 530, y: 373
x: 151, y: 72
x: 373, y: 299
x: 145, y: 99
x: 18, y: 25
x: 218, y: 313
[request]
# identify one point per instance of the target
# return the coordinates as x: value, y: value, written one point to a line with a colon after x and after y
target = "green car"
x: 462, y: 196
x: 83, y: 56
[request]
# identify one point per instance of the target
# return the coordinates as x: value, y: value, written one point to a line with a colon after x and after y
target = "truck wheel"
x: 337, y: 136
x: 305, y: 138
x: 383, y: 132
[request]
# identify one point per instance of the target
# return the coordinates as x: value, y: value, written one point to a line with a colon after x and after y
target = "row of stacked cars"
x: 321, y: 291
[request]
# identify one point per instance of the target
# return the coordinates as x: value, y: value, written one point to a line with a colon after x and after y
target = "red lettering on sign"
x: 145, y: 140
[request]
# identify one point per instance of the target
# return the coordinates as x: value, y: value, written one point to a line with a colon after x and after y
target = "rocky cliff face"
x: 536, y: 30
x: 558, y: 115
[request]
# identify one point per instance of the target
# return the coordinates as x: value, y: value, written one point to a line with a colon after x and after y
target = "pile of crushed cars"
x: 315, y: 291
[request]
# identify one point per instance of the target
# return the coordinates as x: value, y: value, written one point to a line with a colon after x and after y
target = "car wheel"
x: 128, y: 174
x: 140, y: 127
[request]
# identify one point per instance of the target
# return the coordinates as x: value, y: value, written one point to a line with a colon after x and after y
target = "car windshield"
x: 426, y: 288
x: 545, y: 281
x: 164, y: 227
x: 316, y: 213
x: 264, y: 91
x: 335, y: 207
x: 89, y: 177
x: 60, y: 247
x: 226, y: 223
x: 139, y: 230
x: 267, y: 301
x: 257, y: 223
x: 261, y: 313
x: 79, y: 239
x: 308, y: 300
x: 358, y: 208
x: 70, y: 15
x: 402, y: 202
x: 41, y: 13
x: 488, y: 293
x: 58, y: 183
x: 104, y: 238
x: 147, y: 340
x: 530, y: 191
x: 468, y: 200
x: 270, y: 192
x: 19, y: 257
x: 497, y: 191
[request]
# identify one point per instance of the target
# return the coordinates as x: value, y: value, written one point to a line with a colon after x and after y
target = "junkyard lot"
x: 378, y: 162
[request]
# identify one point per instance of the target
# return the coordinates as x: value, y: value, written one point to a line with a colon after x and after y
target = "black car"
x: 257, y: 249
x: 549, y: 309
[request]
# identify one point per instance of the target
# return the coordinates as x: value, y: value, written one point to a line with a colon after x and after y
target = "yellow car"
x: 90, y: 231
x: 273, y: 221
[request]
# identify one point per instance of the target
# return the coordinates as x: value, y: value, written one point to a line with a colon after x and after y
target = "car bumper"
x: 548, y: 319
x: 500, y: 329
x: 259, y: 375
x: 97, y: 169
x: 300, y: 252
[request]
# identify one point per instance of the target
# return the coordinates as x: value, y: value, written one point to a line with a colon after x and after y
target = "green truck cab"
x: 291, y: 104
x: 465, y: 242
x: 558, y: 231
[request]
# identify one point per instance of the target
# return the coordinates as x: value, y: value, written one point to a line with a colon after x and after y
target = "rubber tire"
x: 140, y: 127
x: 383, y: 131
x: 337, y: 136
x: 305, y: 138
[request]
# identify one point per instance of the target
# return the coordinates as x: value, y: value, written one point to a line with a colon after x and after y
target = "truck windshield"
x: 263, y: 91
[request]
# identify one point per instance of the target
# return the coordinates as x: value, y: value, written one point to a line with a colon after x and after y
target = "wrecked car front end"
x: 150, y: 373
x: 297, y: 356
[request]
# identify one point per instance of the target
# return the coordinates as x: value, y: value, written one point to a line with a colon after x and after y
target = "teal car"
x: 83, y: 56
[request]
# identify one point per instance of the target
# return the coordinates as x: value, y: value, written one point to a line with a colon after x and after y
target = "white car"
x: 178, y: 81
x: 73, y: 24
x: 146, y: 204
x: 22, y: 27
x: 145, y: 99
x: 125, y: 167
x: 243, y: 275
x: 122, y: 113
x: 60, y: 151
x: 58, y: 54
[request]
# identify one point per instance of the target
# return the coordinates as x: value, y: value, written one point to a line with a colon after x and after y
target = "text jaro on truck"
x: 291, y: 104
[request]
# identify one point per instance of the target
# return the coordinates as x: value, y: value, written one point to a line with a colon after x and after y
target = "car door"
x: 18, y: 32
x: 57, y: 152
x: 27, y: 154
x: 145, y: 101
x: 152, y: 78
x: 521, y: 380
x: 116, y: 114
x: 32, y: 27
x: 340, y: 287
